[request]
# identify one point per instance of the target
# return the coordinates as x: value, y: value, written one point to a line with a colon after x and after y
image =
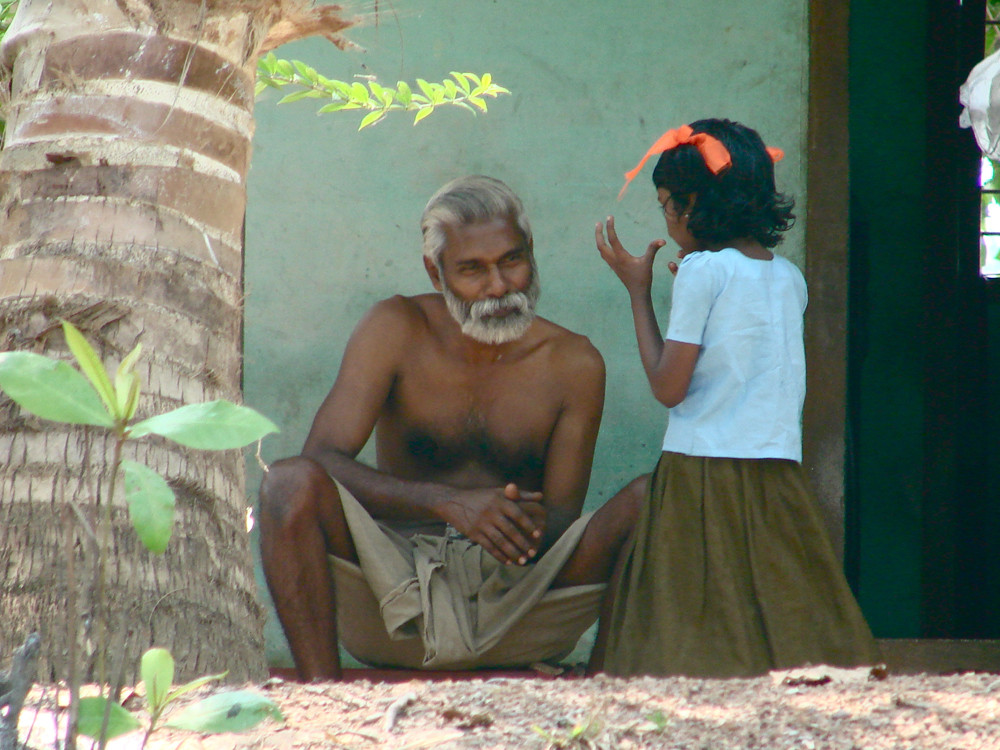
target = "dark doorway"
x: 924, y: 330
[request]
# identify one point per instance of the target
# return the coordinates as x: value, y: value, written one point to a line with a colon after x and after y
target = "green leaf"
x: 660, y: 719
x: 127, y: 384
x: 51, y: 389
x: 371, y: 118
x: 377, y: 91
x: 296, y: 95
x: 463, y: 81
x: 231, y: 711
x: 426, y: 88
x: 214, y: 425
x: 486, y: 80
x: 91, y: 366
x: 403, y: 93
x: 151, y: 505
x: 305, y: 71
x: 359, y: 93
x: 269, y: 62
x: 157, y: 669
x: 335, y: 107
x: 284, y: 68
x: 259, y: 87
x: 196, y: 683
x: 421, y: 114
x: 478, y: 102
x: 91, y: 716
x: 450, y: 89
x: 342, y: 89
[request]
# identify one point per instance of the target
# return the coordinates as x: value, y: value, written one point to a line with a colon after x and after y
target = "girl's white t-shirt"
x: 748, y: 386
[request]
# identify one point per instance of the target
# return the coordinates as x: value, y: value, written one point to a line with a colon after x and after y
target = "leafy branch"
x: 465, y: 90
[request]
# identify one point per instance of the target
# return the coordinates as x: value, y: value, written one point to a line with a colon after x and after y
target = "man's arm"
x: 570, y: 454
x: 348, y: 416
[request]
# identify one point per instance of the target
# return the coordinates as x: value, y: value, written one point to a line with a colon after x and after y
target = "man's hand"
x: 507, y: 522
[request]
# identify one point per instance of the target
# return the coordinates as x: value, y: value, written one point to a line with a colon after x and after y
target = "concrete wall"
x: 333, y: 215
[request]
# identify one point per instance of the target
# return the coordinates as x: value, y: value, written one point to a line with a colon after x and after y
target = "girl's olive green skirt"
x: 732, y: 574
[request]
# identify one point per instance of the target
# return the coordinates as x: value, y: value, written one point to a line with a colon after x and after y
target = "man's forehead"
x: 487, y: 237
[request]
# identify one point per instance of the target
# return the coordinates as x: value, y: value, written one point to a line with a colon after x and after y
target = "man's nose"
x: 496, y: 283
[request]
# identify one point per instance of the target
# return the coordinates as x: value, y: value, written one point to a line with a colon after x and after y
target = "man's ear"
x: 433, y: 272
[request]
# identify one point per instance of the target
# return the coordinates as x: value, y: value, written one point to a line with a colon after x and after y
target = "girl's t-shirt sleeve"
x: 693, y: 296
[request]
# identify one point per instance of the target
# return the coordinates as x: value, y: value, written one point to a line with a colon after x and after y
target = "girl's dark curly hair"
x: 741, y: 201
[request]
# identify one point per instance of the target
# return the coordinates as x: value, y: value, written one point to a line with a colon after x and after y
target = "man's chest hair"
x: 446, y: 416
x: 444, y: 446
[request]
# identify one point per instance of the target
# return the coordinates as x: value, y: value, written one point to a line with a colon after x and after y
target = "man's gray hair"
x: 467, y: 200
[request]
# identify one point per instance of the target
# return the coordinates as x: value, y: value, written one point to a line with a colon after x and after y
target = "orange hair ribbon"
x: 715, y: 154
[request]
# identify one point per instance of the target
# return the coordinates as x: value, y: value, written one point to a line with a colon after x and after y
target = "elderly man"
x: 465, y: 546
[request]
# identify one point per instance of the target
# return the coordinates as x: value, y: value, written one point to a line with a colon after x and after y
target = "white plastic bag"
x: 980, y: 97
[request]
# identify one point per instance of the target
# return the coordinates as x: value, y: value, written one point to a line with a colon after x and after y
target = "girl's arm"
x: 668, y: 364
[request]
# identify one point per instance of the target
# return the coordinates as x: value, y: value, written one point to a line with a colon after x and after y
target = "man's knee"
x: 290, y: 488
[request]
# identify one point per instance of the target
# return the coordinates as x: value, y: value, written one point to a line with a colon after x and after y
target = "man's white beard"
x: 477, y: 321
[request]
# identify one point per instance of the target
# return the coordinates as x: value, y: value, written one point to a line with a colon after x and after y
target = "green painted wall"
x: 333, y: 215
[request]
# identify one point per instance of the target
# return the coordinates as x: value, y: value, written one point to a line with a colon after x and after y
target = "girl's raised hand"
x: 634, y: 271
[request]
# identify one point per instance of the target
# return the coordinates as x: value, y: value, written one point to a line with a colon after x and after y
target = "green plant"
x: 660, y: 720
x: 580, y: 735
x: 229, y: 711
x: 52, y: 389
x: 7, y: 10
x: 467, y: 90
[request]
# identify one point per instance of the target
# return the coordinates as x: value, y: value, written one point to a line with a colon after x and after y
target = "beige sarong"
x: 442, y: 602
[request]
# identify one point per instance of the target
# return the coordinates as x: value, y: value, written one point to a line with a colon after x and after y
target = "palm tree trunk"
x: 122, y: 198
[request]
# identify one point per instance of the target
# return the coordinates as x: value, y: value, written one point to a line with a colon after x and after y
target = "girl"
x: 731, y: 573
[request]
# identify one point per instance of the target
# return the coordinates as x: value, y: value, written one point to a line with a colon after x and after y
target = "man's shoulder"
x: 569, y: 349
x: 402, y: 304
x: 389, y: 324
x: 402, y: 310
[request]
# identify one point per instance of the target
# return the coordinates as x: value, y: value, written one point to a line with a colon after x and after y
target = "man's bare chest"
x: 499, y: 418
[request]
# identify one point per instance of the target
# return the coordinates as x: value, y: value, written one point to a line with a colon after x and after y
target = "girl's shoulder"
x: 786, y: 267
x: 697, y: 259
x: 718, y: 263
x: 719, y: 267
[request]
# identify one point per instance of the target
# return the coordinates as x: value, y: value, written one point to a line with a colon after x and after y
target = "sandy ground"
x: 803, y: 709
